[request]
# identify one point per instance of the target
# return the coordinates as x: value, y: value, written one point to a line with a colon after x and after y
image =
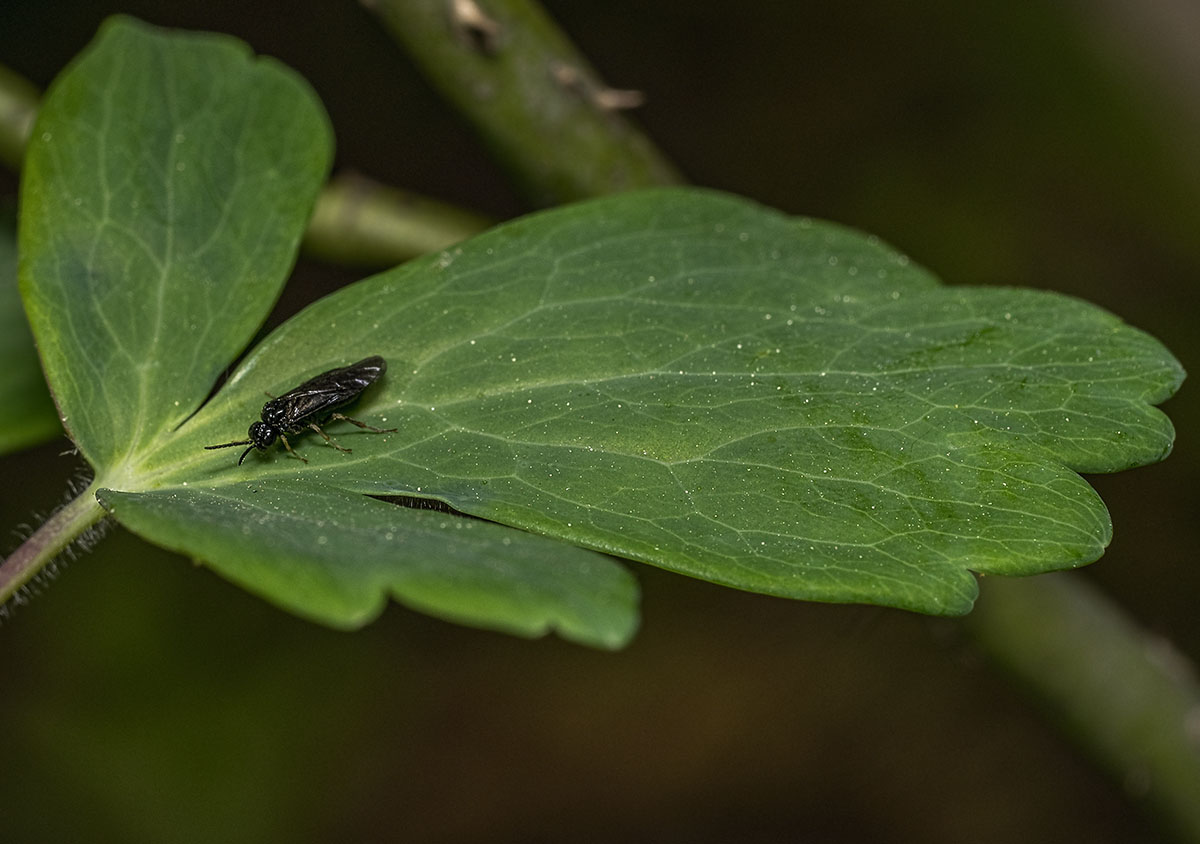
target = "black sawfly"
x: 312, y: 403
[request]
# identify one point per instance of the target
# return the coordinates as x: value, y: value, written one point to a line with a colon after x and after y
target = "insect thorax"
x: 275, y: 414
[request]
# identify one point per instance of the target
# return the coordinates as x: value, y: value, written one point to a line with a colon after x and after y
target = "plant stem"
x: 531, y: 96
x: 48, y: 541
x: 360, y: 222
x: 1125, y: 694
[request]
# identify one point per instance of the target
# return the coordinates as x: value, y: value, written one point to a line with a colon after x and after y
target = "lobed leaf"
x: 691, y: 380
x: 162, y: 202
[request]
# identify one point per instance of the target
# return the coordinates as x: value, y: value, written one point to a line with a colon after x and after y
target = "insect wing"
x: 322, y: 394
x: 352, y: 379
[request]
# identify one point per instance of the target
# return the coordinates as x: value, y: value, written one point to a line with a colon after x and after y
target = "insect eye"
x: 262, y: 434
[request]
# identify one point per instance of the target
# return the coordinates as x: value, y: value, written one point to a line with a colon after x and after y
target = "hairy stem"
x: 48, y: 541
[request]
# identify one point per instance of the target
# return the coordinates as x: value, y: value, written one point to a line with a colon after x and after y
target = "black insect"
x: 313, y: 402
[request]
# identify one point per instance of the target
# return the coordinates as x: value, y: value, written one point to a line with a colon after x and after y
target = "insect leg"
x: 364, y: 424
x: 288, y: 446
x: 328, y: 438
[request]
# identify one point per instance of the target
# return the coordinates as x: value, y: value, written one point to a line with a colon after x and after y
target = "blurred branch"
x: 18, y: 107
x: 534, y: 99
x: 360, y: 222
x: 356, y: 221
x: 1127, y: 696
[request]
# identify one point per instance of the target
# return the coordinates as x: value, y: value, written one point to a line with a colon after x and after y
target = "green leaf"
x: 693, y: 381
x: 334, y: 556
x: 678, y: 377
x: 163, y: 198
x: 27, y: 415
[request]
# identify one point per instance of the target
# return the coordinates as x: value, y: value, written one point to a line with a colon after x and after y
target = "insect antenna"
x: 227, y: 445
x: 235, y: 442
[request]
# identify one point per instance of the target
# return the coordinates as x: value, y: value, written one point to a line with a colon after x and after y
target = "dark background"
x: 1046, y: 144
